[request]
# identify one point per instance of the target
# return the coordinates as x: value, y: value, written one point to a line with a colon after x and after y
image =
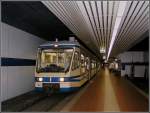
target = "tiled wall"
x: 18, y: 54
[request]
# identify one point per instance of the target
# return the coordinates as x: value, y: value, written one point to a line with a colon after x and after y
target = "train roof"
x: 60, y: 44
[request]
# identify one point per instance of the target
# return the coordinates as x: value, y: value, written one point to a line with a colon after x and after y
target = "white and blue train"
x: 63, y: 66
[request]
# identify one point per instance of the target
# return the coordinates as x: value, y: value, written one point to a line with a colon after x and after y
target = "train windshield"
x: 54, y: 60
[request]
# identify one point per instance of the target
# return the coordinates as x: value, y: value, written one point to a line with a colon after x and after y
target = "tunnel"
x: 74, y: 56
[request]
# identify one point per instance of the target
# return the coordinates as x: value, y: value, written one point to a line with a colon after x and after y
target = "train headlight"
x: 61, y: 79
x: 55, y: 45
x: 40, y: 79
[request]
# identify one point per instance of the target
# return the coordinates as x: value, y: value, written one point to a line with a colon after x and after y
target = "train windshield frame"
x: 54, y: 60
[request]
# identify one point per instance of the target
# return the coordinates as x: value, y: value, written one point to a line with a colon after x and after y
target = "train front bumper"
x: 57, y: 87
x: 60, y: 84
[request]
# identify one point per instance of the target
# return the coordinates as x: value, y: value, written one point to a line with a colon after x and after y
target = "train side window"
x: 76, y: 62
x: 87, y: 63
x: 39, y: 58
x: 78, y: 59
x: 93, y: 65
x: 82, y: 61
x: 73, y: 63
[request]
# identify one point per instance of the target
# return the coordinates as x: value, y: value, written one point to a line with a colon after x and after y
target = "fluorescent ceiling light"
x: 104, y: 57
x: 121, y: 9
x: 102, y: 50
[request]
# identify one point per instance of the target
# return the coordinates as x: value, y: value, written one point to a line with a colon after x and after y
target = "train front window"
x: 54, y: 60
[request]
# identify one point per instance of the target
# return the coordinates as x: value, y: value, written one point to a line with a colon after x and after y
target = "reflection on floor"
x: 108, y: 92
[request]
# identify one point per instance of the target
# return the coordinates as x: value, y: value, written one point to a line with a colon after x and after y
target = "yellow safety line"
x: 110, y: 100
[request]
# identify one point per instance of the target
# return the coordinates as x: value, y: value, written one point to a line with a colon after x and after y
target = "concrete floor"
x: 107, y: 92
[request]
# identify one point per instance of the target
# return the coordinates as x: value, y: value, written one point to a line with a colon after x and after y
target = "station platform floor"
x: 108, y: 93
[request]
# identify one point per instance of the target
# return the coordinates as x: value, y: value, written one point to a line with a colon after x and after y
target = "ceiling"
x: 93, y: 22
x: 34, y: 17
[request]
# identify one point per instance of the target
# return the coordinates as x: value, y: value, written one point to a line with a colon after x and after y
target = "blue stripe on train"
x: 66, y: 79
x: 46, y: 79
x: 55, y: 79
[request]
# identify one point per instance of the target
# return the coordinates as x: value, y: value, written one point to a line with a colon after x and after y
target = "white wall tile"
x: 134, y: 56
x: 21, y: 81
x: 19, y: 44
x: 15, y: 43
x: 138, y: 56
x: 4, y: 85
x: 128, y: 70
x: 139, y: 71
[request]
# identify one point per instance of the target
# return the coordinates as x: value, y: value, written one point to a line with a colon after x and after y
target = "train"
x: 64, y: 66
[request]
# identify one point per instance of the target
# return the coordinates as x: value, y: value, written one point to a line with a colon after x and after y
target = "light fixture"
x: 102, y: 50
x: 55, y: 45
x: 104, y: 57
x: 61, y: 79
x: 40, y: 79
x: 121, y: 9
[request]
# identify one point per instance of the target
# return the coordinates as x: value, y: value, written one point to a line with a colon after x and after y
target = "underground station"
x: 74, y: 56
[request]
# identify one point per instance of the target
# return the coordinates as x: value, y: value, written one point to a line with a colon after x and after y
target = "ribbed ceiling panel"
x: 134, y: 24
x: 93, y: 22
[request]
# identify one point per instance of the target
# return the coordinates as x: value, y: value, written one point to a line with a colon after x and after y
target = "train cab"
x: 63, y: 66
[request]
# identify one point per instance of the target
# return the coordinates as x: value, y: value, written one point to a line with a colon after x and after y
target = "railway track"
x: 34, y: 101
x: 21, y: 102
x: 48, y: 103
x: 58, y: 102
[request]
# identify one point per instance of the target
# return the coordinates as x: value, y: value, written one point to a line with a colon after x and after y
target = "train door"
x: 75, y: 67
x: 82, y: 64
x: 94, y: 67
x: 90, y: 74
x: 88, y: 67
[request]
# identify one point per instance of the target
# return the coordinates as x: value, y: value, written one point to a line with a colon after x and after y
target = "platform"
x: 108, y: 92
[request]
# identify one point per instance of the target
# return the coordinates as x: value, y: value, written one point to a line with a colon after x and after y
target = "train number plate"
x: 52, y: 86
